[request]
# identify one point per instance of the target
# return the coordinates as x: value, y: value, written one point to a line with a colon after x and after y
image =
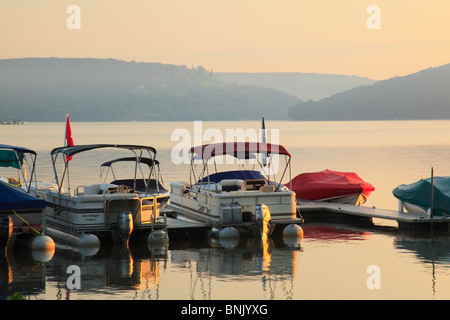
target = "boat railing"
x: 150, y: 208
x: 101, y: 188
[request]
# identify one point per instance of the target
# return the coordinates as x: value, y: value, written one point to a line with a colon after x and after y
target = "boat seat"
x: 270, y: 188
x: 153, y: 186
x: 231, y: 184
x: 98, y: 188
x: 254, y: 184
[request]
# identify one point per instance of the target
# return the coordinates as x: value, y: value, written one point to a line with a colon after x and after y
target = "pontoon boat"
x: 108, y: 210
x: 249, y: 201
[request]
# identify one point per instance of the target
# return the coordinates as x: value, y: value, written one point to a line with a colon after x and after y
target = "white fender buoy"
x: 229, y: 243
x: 42, y: 242
x: 228, y: 233
x: 158, y: 236
x: 42, y: 248
x: 88, y: 240
x: 293, y: 231
x: 88, y: 251
x: 292, y: 242
x: 42, y: 255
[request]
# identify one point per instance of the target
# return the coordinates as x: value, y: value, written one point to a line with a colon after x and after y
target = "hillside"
x: 305, y: 86
x: 422, y: 95
x: 45, y: 89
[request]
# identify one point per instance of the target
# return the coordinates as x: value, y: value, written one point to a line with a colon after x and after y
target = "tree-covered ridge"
x: 306, y: 86
x: 421, y: 95
x: 45, y: 89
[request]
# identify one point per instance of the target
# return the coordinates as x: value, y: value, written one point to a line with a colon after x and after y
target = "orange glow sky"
x: 323, y: 36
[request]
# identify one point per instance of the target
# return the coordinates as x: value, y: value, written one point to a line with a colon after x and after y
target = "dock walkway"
x: 402, y: 218
x: 181, y: 226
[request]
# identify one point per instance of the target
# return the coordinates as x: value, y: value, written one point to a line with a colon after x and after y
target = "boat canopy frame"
x: 69, y: 151
x: 15, y: 157
x: 241, y: 151
x: 151, y: 163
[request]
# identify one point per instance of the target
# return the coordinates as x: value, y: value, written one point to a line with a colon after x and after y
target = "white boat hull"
x: 355, y: 199
x: 235, y: 208
x: 99, y: 213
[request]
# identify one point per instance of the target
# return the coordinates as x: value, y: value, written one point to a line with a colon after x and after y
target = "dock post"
x: 400, y: 206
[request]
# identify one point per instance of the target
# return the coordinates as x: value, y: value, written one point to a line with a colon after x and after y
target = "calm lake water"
x: 333, y: 260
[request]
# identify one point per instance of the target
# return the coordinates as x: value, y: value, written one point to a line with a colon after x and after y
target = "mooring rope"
x: 26, y: 223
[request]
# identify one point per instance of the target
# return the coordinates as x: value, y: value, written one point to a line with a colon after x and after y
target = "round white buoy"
x: 228, y: 233
x: 42, y: 255
x: 88, y: 251
x: 158, y: 236
x: 88, y: 240
x: 42, y: 242
x: 293, y: 231
x: 293, y: 242
x: 229, y: 243
x: 42, y: 248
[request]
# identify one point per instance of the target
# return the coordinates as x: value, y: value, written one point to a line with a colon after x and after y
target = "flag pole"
x: 432, y: 195
x: 65, y: 131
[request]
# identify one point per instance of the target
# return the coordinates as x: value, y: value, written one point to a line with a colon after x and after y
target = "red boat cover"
x: 328, y: 184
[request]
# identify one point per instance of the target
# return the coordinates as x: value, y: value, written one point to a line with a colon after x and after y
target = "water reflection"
x: 115, y: 267
x: 21, y: 273
x: 333, y: 233
x: 270, y: 262
x: 433, y: 251
x: 136, y: 271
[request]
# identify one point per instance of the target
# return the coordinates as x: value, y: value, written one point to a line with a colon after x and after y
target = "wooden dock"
x: 408, y: 220
x: 183, y: 227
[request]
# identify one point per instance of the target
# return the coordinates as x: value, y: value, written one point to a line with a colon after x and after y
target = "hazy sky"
x: 324, y: 36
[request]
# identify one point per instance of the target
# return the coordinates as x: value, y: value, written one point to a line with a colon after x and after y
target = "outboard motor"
x: 263, y: 220
x: 124, y: 226
x: 6, y: 230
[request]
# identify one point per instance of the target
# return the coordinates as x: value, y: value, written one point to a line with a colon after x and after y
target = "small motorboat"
x: 331, y: 186
x: 416, y: 197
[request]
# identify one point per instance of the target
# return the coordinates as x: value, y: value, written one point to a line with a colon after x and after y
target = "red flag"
x: 69, y: 139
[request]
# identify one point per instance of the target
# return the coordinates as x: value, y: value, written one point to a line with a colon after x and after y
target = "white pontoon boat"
x: 247, y: 200
x: 108, y: 210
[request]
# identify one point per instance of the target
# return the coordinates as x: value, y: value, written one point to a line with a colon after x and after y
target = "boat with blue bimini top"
x: 248, y: 201
x: 113, y: 210
x: 21, y: 210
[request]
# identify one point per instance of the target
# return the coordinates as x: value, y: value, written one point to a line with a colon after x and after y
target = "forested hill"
x: 45, y: 89
x: 306, y: 86
x: 422, y: 95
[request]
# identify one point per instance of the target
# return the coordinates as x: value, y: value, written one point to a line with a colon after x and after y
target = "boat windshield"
x: 16, y: 157
x: 244, y: 155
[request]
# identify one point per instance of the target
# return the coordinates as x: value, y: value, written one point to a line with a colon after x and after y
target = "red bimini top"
x: 328, y: 184
x: 238, y: 149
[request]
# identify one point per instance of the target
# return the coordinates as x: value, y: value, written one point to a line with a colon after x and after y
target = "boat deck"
x: 308, y: 208
x: 179, y: 227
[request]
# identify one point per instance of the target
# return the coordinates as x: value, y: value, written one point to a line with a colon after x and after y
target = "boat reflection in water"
x: 271, y: 261
x: 23, y: 271
x: 194, y: 270
x: 143, y: 272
